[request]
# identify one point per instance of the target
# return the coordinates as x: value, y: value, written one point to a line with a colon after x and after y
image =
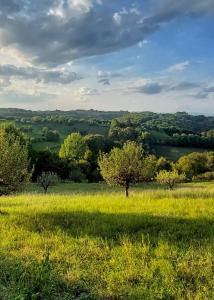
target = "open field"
x: 88, y: 242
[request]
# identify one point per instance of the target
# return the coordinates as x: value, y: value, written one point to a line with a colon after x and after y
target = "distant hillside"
x: 180, y: 122
x: 77, y: 114
x: 170, y: 135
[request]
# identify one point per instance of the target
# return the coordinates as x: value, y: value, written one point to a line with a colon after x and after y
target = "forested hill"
x: 170, y: 135
x: 179, y: 122
x: 77, y: 114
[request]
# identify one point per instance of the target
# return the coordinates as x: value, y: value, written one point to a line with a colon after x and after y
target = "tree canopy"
x: 74, y: 147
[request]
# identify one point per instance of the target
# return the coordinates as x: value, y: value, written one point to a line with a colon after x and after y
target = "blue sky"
x: 107, y: 55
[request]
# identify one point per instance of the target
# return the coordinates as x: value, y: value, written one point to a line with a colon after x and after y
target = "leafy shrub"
x: 193, y: 164
x: 170, y: 178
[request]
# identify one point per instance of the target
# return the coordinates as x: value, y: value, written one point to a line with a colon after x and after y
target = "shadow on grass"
x: 3, y: 213
x: 37, y: 280
x: 112, y: 226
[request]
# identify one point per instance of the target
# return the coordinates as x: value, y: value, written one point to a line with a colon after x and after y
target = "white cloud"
x: 117, y: 18
x: 84, y: 5
x: 180, y: 67
x: 57, y: 10
x: 82, y: 93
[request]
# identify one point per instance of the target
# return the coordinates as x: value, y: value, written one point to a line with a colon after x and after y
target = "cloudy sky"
x: 155, y: 55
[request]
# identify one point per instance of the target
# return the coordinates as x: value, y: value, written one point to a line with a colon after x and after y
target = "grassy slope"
x: 155, y: 245
x: 174, y: 153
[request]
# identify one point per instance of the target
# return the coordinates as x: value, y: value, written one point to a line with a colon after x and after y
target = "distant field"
x: 63, y: 130
x: 174, y: 153
x: 84, y: 241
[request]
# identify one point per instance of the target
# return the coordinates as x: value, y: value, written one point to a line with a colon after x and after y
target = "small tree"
x: 47, y: 179
x: 14, y: 164
x: 122, y: 166
x: 170, y: 178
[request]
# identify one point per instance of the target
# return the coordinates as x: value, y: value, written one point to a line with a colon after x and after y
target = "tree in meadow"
x: 47, y: 179
x: 170, y: 178
x: 122, y: 166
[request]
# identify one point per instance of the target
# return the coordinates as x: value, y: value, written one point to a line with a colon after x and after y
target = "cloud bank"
x: 54, y: 32
x: 40, y: 75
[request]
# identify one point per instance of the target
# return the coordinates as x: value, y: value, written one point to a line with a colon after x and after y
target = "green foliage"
x: 12, y: 131
x: 123, y: 134
x: 180, y: 129
x: 50, y: 135
x: 97, y: 143
x: 122, y: 166
x: 149, y: 168
x: 207, y: 176
x: 170, y: 178
x: 159, y: 134
x: 14, y: 173
x: 80, y: 170
x: 48, y: 161
x: 47, y: 179
x: 74, y: 147
x: 180, y: 122
x: 163, y: 164
x: 195, y: 163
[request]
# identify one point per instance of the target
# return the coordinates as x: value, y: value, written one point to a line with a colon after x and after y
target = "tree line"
x: 92, y: 158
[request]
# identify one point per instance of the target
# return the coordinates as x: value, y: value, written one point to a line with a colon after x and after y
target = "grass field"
x: 88, y: 242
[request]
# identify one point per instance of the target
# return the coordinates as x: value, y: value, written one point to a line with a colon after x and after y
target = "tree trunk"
x: 127, y: 190
x: 171, y: 186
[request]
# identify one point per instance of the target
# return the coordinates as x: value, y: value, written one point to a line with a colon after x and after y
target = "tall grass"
x: 99, y: 245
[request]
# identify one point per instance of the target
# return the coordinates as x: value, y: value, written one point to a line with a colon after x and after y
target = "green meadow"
x: 87, y: 241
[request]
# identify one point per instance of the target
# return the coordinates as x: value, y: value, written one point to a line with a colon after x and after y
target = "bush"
x: 192, y: 164
x: 170, y: 178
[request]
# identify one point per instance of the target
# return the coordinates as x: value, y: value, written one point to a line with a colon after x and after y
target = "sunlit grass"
x: 91, y: 243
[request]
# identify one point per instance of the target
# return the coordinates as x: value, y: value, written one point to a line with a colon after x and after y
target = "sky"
x: 143, y: 55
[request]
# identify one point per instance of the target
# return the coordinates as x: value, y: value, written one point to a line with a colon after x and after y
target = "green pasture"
x: 87, y: 241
